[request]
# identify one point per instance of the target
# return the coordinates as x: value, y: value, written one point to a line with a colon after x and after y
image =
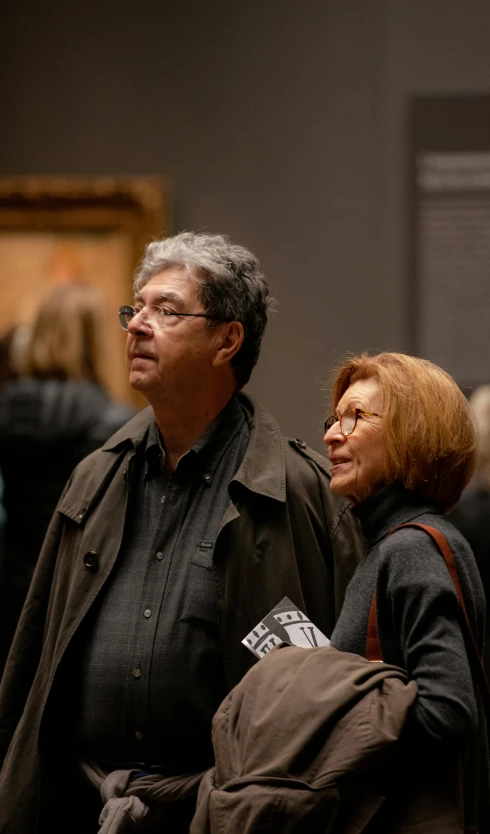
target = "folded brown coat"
x: 298, y: 742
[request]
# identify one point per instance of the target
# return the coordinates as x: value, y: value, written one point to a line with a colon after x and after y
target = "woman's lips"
x: 336, y: 463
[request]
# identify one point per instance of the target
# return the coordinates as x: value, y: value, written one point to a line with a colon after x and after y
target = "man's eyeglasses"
x: 347, y: 420
x: 157, y: 317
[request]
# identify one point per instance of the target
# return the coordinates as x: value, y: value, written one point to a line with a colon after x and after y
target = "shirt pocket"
x: 201, y: 601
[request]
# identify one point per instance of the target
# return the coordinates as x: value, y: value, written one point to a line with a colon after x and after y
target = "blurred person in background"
x: 8, y: 353
x: 8, y: 372
x: 51, y: 417
x: 471, y: 514
x: 402, y: 445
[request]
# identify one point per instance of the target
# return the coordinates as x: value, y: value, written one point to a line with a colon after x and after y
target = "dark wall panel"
x: 280, y: 123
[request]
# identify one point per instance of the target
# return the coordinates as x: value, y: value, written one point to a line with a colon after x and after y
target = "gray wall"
x: 281, y: 123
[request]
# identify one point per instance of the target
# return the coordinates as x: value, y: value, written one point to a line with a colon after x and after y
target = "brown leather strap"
x: 373, y: 648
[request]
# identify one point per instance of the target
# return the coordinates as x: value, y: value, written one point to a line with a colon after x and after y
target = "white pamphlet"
x: 284, y: 624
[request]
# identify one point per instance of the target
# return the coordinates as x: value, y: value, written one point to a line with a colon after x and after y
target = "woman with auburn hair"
x: 51, y: 417
x: 402, y: 446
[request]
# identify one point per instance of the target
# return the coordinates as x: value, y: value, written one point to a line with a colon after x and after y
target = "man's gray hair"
x: 232, y: 286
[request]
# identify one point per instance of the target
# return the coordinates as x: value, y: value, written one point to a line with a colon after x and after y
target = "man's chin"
x: 138, y: 382
x: 145, y: 386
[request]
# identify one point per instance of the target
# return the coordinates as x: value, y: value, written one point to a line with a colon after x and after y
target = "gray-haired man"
x: 168, y: 546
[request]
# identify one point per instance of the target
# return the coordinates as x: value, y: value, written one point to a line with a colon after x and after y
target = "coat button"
x: 90, y: 559
x: 301, y: 443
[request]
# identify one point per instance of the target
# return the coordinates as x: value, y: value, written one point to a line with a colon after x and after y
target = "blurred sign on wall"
x: 451, y: 234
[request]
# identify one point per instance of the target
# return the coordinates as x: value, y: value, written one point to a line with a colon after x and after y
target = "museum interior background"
x: 284, y: 124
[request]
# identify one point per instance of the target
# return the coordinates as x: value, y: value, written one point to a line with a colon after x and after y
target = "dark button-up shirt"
x: 152, y: 672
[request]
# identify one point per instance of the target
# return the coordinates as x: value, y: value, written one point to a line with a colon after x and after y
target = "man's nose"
x: 139, y: 324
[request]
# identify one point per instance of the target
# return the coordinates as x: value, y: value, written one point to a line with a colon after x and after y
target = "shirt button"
x: 136, y: 673
x: 159, y: 556
x: 147, y: 613
x: 138, y: 735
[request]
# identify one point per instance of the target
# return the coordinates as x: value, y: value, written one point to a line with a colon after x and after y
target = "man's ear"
x: 228, y: 343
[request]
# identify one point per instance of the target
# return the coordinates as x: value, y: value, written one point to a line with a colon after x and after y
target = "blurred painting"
x: 31, y: 264
x: 92, y: 234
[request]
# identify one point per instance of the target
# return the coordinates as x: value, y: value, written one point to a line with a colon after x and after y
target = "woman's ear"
x: 229, y: 342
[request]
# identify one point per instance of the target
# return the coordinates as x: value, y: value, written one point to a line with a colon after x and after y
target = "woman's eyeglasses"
x: 347, y: 420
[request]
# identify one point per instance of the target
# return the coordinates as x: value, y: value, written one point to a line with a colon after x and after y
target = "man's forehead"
x: 170, y: 285
x: 159, y: 292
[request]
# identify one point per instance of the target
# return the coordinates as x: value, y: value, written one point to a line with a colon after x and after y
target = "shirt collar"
x: 206, y: 452
x: 154, y: 452
x: 263, y: 469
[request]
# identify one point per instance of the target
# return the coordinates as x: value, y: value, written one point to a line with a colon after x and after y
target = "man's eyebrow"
x: 164, y: 295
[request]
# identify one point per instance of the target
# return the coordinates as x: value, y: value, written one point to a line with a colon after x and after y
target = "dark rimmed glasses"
x: 155, y: 316
x: 347, y: 420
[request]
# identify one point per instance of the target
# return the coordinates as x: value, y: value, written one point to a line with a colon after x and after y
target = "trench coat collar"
x: 263, y: 469
x: 131, y: 433
x: 76, y: 502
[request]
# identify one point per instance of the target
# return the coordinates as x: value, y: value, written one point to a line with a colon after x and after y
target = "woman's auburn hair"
x: 427, y: 422
x: 67, y: 339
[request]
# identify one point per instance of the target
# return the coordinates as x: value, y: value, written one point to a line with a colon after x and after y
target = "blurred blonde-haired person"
x: 51, y: 417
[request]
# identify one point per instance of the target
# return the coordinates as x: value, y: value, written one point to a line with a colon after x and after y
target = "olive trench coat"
x: 283, y: 533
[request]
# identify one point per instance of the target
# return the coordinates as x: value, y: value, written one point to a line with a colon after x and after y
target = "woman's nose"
x: 333, y: 434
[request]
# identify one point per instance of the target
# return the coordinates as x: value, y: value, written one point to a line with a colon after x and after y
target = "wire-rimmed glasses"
x: 155, y: 316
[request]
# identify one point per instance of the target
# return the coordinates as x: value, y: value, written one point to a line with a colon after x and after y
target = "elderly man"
x: 167, y: 547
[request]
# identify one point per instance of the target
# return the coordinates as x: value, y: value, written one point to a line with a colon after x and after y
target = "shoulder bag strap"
x: 373, y: 648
